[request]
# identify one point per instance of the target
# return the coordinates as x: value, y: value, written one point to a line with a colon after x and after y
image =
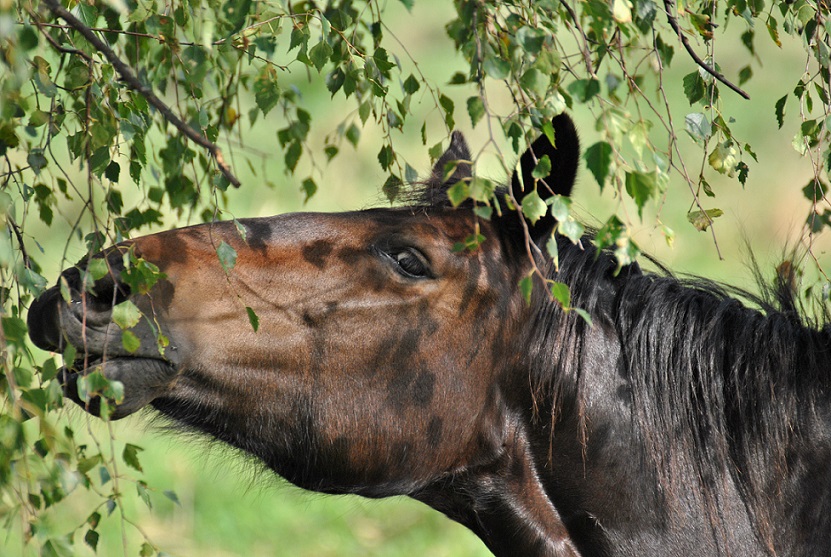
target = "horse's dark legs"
x: 505, y: 504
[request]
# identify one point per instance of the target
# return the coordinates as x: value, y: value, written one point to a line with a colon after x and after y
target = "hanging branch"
x: 669, y: 5
x: 133, y: 82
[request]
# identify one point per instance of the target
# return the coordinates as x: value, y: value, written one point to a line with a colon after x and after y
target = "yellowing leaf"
x: 703, y: 219
x: 622, y: 11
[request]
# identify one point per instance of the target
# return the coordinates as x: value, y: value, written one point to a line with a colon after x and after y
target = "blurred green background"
x: 227, y: 505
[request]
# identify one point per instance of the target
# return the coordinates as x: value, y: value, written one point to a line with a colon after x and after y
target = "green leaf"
x: 481, y: 189
x: 476, y: 109
x: 100, y: 160
x: 130, y: 456
x: 49, y: 370
x: 227, y: 256
x: 584, y: 90
x: 126, y: 315
x: 496, y: 67
x: 113, y: 171
x: 571, y: 229
x: 319, y: 54
x: 553, y: 251
x: 483, y: 212
x: 698, y: 126
x: 533, y: 207
x: 744, y: 170
x: 235, y: 11
x: 42, y: 79
x: 561, y: 293
x: 266, y: 92
x: 382, y: 61
x: 411, y: 85
x: 745, y: 74
x: 458, y: 193
x: 702, y: 220
x: 57, y: 547
x: 780, y: 110
x: 309, y: 188
x: 299, y: 37
x: 172, y: 496
x: 392, y: 187
x: 37, y: 160
x: 641, y: 186
x: 598, y: 159
x: 95, y: 518
x: 526, y: 286
x: 253, y: 319
x: 560, y: 207
x: 91, y: 539
x: 585, y: 315
x: 535, y: 82
x: 542, y: 169
x: 27, y: 38
x: 448, y: 106
x: 386, y: 157
x: 724, y: 158
x: 84, y: 466
x: 130, y: 341
x: 694, y: 87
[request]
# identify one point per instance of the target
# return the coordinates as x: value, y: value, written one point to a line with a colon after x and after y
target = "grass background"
x: 227, y: 505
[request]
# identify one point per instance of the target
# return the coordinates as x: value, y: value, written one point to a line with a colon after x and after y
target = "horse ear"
x: 564, y: 157
x: 458, y: 154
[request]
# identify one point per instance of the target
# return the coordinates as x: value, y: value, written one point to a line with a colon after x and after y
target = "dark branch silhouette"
x: 133, y: 82
x: 669, y: 5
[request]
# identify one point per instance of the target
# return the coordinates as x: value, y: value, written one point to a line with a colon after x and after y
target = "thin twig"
x: 669, y: 5
x: 585, y: 50
x: 40, y: 25
x: 16, y: 229
x: 133, y: 82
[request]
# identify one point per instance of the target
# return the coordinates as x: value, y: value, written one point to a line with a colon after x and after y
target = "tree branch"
x: 669, y: 5
x: 133, y: 82
x: 585, y: 50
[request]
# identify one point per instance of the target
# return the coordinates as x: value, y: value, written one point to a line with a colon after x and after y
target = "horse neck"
x: 721, y: 390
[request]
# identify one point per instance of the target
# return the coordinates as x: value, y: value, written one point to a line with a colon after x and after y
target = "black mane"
x: 729, y: 376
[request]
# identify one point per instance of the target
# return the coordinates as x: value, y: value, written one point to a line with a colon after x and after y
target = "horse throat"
x: 504, y: 503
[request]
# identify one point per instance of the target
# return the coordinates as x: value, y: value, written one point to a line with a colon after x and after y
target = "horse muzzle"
x: 145, y: 369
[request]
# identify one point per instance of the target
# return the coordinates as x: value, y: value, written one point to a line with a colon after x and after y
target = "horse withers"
x: 388, y: 361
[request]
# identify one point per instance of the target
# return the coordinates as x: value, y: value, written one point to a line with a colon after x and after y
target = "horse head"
x: 364, y: 352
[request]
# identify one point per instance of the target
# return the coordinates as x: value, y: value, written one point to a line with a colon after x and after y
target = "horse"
x: 392, y: 357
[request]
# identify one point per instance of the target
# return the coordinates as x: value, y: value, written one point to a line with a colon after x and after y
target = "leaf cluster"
x: 89, y: 155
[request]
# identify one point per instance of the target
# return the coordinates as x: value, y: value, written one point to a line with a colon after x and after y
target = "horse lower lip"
x: 142, y: 380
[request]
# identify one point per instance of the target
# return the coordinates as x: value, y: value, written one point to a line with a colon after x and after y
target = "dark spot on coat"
x: 317, y: 252
x: 409, y: 388
x: 258, y: 233
x: 423, y: 388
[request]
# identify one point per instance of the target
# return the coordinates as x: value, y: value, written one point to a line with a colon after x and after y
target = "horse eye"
x: 410, y: 264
